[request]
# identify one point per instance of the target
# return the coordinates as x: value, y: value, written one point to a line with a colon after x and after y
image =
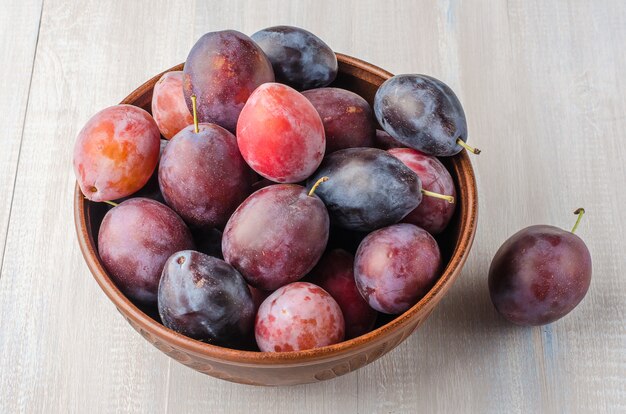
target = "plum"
x: 368, y: 188
x: 299, y: 58
x: 222, y: 70
x: 135, y: 240
x: 205, y: 298
x: 432, y: 214
x: 276, y: 236
x: 396, y: 266
x: 297, y: 317
x: 116, y: 152
x: 423, y: 113
x: 347, y: 117
x: 169, y: 108
x: 280, y: 134
x: 202, y: 175
x: 540, y: 274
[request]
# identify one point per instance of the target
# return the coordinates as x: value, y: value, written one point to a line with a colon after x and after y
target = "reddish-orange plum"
x: 116, y: 152
x: 280, y: 134
x: 432, y: 214
x: 276, y: 235
x: 169, y: 108
x: 347, y: 117
x: 202, y: 175
x: 335, y: 274
x: 135, y: 240
x: 222, y: 70
x: 396, y: 266
x: 296, y: 317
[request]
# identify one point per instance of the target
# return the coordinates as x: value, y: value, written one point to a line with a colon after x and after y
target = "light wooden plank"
x: 542, y: 85
x: 64, y: 347
x: 19, y: 27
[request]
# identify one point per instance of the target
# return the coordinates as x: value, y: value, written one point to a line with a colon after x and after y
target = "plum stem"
x: 111, y: 203
x: 195, y: 113
x: 579, y: 212
x: 467, y: 147
x: 317, y: 184
x: 448, y: 198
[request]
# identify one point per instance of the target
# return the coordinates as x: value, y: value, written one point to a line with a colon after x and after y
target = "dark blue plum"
x: 421, y: 112
x: 368, y: 188
x: 205, y: 298
x: 299, y: 58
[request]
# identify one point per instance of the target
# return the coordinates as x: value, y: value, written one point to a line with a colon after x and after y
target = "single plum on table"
x: 280, y: 134
x: 540, y: 274
x: 297, y: 317
x: 169, y: 108
x: 276, y: 236
x: 116, y: 152
x: 299, y: 58
x: 385, y: 141
x: 203, y: 176
x: 335, y: 274
x: 396, y: 266
x: 205, y: 298
x: 347, y: 117
x: 423, y: 113
x: 135, y: 240
x: 222, y: 70
x: 368, y: 188
x: 432, y: 214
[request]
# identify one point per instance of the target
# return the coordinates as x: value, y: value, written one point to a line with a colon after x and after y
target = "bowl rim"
x: 468, y: 222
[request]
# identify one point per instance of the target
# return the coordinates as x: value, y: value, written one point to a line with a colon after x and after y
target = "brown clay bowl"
x: 300, y: 367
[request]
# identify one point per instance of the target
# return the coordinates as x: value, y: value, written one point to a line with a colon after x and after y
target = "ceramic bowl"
x: 300, y: 367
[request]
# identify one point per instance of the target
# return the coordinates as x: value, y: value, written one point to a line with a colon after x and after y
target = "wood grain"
x: 19, y: 22
x: 58, y: 354
x: 543, y: 87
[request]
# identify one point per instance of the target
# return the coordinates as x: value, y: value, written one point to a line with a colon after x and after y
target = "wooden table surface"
x: 544, y: 89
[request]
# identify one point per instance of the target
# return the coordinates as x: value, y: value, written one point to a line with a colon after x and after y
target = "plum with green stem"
x: 540, y: 274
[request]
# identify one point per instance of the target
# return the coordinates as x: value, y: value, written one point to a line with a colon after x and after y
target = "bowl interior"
x: 363, y: 79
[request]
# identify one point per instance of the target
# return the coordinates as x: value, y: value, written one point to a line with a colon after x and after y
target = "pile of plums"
x: 263, y: 174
